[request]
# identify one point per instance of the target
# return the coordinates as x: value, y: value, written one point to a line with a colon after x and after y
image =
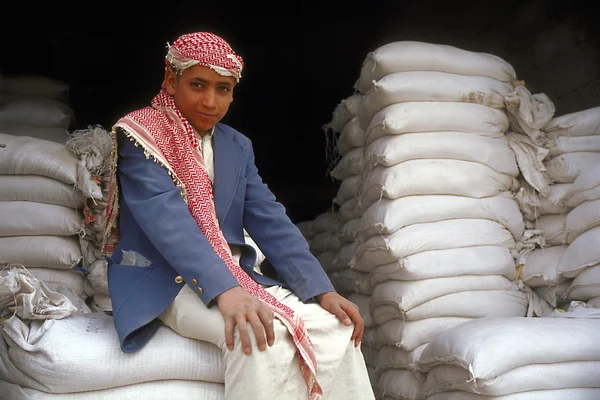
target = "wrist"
x: 322, y: 296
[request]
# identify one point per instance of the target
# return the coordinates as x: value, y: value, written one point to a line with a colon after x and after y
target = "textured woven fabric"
x: 207, y: 50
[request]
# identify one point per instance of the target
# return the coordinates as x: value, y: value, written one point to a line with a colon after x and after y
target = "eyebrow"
x: 197, y: 78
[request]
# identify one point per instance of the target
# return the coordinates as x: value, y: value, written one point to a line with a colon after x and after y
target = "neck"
x: 202, y: 133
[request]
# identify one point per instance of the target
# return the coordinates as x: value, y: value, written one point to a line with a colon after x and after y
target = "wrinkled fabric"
x: 29, y: 298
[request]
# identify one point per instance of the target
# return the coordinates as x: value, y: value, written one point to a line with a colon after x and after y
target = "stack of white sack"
x: 440, y: 228
x: 43, y: 188
x: 510, y: 358
x: 49, y: 350
x: 35, y: 106
x: 333, y: 251
x: 567, y: 210
x: 349, y: 149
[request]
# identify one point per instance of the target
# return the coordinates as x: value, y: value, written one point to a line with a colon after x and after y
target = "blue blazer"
x: 154, y: 221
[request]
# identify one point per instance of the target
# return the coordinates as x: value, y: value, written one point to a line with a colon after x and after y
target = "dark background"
x: 300, y: 62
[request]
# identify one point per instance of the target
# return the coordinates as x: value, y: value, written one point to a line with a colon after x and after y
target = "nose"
x: 208, y: 99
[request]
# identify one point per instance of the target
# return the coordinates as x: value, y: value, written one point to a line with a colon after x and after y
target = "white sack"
x: 45, y: 356
x: 349, y: 189
x: 576, y: 374
x: 55, y: 279
x: 565, y: 168
x: 349, y: 231
x: 58, y: 135
x: 586, y: 285
x: 553, y: 294
x: 39, y: 189
x: 22, y: 295
x: 327, y: 259
x: 98, y: 276
x: 24, y: 218
x: 393, y: 149
x: 33, y: 85
x: 586, y: 187
x: 60, y: 252
x: 389, y: 215
x: 434, y: 116
x: 582, y: 218
x: 327, y: 221
x: 21, y: 155
x: 70, y: 283
x: 594, y: 302
x: 30, y: 156
x: 575, y: 309
x: 345, y: 255
x: 472, y: 304
x: 582, y: 253
x: 478, y: 260
x: 352, y: 136
x: 413, y: 239
x: 530, y: 160
x: 409, y: 335
x: 399, y: 384
x: 558, y: 394
x: 349, y: 210
x: 406, y: 295
x: 580, y: 123
x: 344, y: 111
x: 306, y: 228
x: 397, y: 357
x: 349, y: 281
x: 101, y: 302
x: 552, y: 227
x: 541, y: 267
x: 422, y: 56
x: 36, y: 111
x: 351, y: 163
x: 325, y: 241
x: 363, y: 302
x: 488, y: 347
x: 533, y: 205
x: 401, y: 87
x: 433, y: 177
x: 564, y: 144
x: 529, y: 112
x: 155, y: 390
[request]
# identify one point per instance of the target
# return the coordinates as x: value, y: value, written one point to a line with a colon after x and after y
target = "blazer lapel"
x: 228, y: 164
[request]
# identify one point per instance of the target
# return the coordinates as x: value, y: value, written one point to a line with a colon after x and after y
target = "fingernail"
x: 270, y: 343
x: 262, y: 347
x: 247, y: 351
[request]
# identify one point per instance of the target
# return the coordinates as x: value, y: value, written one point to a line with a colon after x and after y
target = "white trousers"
x: 275, y: 373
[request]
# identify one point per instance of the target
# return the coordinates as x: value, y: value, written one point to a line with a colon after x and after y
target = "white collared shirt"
x: 206, y: 146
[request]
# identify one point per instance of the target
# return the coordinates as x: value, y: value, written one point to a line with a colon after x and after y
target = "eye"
x: 224, y: 89
x: 196, y: 84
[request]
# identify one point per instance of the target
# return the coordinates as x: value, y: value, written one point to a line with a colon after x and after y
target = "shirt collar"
x: 208, y: 135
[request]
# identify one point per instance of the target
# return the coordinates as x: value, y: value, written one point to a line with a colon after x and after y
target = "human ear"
x: 170, y: 80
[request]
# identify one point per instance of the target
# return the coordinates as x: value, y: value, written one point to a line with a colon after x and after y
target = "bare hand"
x: 238, y: 307
x: 346, y: 311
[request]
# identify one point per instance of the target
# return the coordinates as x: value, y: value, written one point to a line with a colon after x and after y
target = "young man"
x: 185, y: 186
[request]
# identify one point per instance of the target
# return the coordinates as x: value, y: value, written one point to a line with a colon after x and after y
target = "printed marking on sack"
x: 95, y: 325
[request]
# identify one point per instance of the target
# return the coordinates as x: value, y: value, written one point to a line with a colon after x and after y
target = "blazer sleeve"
x: 279, y: 238
x: 162, y: 214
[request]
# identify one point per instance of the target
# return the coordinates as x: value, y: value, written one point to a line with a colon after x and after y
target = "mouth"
x: 206, y: 116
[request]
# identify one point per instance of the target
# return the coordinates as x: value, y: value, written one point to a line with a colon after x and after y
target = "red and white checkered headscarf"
x: 169, y: 139
x: 207, y: 50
